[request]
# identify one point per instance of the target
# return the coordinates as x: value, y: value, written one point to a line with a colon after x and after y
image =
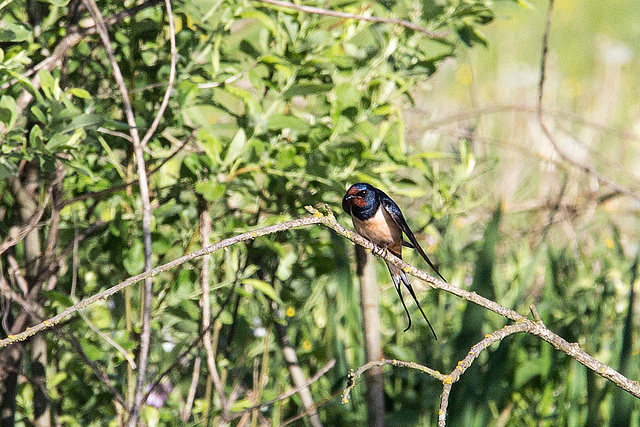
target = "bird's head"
x: 360, y: 199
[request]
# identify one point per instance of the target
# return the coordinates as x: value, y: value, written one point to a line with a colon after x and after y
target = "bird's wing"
x: 394, y: 212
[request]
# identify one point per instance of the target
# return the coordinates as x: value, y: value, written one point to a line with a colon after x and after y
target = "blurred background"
x: 272, y: 110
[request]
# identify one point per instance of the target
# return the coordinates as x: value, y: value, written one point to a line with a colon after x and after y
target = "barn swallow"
x: 379, y: 219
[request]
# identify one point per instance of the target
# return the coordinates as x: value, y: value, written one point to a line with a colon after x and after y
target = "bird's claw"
x: 380, y: 251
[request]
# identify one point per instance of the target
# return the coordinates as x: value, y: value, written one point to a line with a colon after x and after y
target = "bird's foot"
x: 380, y: 250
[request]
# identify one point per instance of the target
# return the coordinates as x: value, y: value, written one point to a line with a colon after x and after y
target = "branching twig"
x: 345, y: 15
x: 465, y: 363
x: 74, y: 280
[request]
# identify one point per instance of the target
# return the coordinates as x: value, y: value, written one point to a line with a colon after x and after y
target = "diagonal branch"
x: 47, y: 324
x: 534, y: 328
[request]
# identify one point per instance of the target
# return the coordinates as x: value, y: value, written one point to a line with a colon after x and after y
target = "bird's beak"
x: 349, y: 197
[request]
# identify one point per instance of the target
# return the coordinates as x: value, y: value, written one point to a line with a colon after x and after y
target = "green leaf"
x: 35, y: 136
x: 47, y: 83
x: 79, y: 93
x: 59, y: 297
x: 280, y: 121
x: 134, y: 262
x: 7, y: 169
x: 236, y: 147
x: 210, y: 190
x: 84, y: 121
x: 306, y: 89
x: 263, y: 287
x: 58, y: 3
x: 10, y: 32
x: 470, y: 35
x: 8, y: 110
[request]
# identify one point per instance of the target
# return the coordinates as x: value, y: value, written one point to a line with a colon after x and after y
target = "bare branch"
x: 465, y: 363
x: 345, y: 15
x: 301, y: 222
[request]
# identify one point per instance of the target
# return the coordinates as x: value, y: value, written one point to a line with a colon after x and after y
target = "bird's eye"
x: 363, y: 193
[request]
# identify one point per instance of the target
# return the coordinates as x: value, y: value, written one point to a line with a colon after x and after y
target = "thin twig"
x: 74, y: 281
x: 179, y: 360
x: 172, y: 76
x: 353, y: 376
x: 30, y: 307
x: 205, y: 232
x: 584, y: 167
x: 305, y: 413
x: 345, y: 15
x: 289, y: 393
x: 185, y: 413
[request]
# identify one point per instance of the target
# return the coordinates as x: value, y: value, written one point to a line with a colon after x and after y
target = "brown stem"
x: 370, y: 301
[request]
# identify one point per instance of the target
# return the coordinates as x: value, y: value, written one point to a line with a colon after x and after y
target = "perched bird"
x: 378, y: 218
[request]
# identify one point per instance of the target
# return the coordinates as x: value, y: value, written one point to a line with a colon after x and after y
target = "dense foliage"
x: 272, y: 110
